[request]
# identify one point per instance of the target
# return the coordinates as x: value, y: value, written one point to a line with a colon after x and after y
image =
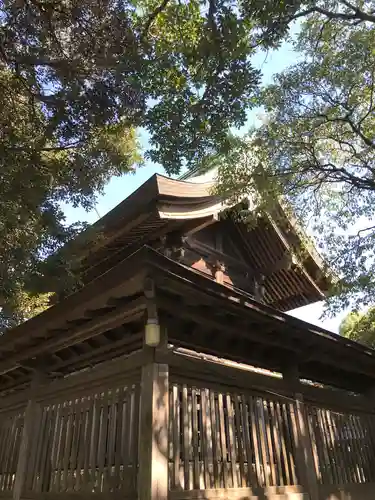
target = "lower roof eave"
x: 200, y: 313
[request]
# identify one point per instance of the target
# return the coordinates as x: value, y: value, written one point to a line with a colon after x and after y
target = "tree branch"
x: 152, y: 17
x: 357, y: 15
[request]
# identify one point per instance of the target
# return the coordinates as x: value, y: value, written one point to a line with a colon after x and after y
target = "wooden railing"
x: 343, y: 445
x: 207, y: 427
x: 87, y: 444
x: 230, y: 440
x: 11, y: 425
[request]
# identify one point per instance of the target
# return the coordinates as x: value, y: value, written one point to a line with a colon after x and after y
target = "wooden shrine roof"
x: 105, y: 320
x: 162, y: 205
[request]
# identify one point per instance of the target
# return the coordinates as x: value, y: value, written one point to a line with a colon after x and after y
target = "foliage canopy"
x: 360, y: 327
x: 316, y: 148
x: 77, y: 78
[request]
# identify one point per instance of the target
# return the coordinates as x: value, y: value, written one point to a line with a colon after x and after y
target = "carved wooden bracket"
x: 174, y: 246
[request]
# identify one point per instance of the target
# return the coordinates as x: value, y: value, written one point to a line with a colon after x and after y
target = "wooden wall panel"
x: 229, y: 440
x: 343, y: 446
x: 87, y: 444
x: 11, y: 425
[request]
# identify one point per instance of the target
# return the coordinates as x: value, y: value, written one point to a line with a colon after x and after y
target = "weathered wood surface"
x: 87, y: 443
x: 236, y: 440
x: 11, y: 427
x: 153, y: 433
x: 196, y: 428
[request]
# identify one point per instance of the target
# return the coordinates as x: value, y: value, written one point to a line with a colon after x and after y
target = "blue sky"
x: 120, y: 188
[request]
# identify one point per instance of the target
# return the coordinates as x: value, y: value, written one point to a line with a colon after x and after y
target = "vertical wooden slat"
x: 48, y: 470
x: 196, y: 475
x: 223, y: 440
x: 230, y: 431
x: 215, y: 440
x: 64, y: 409
x: 280, y: 430
x: 287, y: 410
x: 55, y: 447
x: 218, y: 442
x: 135, y: 432
x: 10, y: 454
x: 248, y: 451
x: 332, y: 446
x: 176, y: 484
x: 72, y: 478
x: 190, y: 438
x: 257, y: 413
x: 37, y: 464
x: 357, y: 450
x: 277, y: 443
x: 127, y: 481
x: 95, y: 441
x: 102, y: 440
x: 83, y: 419
x: 67, y: 448
x: 205, y: 442
x: 185, y: 430
x: 314, y: 444
x: 170, y: 442
x: 209, y: 437
x: 271, y: 458
x: 88, y: 442
x: 202, y: 443
x: 111, y: 429
x: 8, y: 445
x: 3, y: 438
x: 124, y: 439
x: 297, y: 443
x: 325, y: 445
x: 340, y: 453
x: 251, y: 421
x: 361, y: 427
x: 15, y: 452
x: 239, y: 425
x: 345, y: 446
x: 118, y: 457
x: 370, y: 444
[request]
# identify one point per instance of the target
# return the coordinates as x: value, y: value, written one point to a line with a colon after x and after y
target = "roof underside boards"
x: 163, y: 205
x: 105, y: 320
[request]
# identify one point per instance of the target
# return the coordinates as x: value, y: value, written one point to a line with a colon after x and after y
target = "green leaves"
x: 317, y: 148
x: 360, y: 327
x: 77, y: 78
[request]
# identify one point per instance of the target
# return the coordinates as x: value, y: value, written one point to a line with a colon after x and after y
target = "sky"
x: 119, y: 188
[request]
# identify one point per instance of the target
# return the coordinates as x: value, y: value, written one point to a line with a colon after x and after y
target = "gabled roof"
x: 162, y: 205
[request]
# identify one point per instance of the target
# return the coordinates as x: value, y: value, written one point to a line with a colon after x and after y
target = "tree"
x: 76, y: 80
x: 78, y: 77
x: 316, y: 149
x: 360, y: 327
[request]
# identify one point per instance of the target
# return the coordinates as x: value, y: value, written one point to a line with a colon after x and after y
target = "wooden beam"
x: 198, y: 316
x: 31, y: 421
x: 153, y: 432
x: 195, y: 225
x: 78, y: 334
x: 125, y: 279
x: 291, y: 376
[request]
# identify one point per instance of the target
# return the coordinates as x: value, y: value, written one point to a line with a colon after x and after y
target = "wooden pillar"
x: 305, y: 457
x: 31, y: 420
x: 153, y: 412
x: 153, y: 433
x: 306, y: 451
